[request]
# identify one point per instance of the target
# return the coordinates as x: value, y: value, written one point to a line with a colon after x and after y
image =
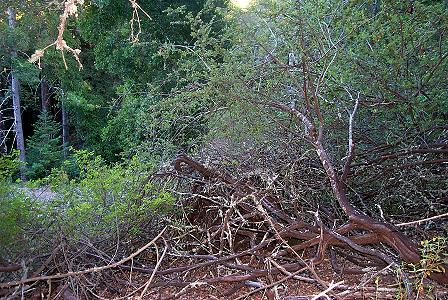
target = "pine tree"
x: 44, y: 147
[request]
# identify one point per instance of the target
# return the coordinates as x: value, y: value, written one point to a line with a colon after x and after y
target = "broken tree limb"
x: 91, y: 270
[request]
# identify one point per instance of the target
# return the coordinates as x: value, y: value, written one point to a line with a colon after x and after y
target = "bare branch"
x: 351, y: 145
x: 418, y: 222
x: 70, y: 9
x: 91, y: 270
x: 136, y: 18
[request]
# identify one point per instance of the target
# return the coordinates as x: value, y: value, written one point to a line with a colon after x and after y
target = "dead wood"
x: 360, y: 231
x: 10, y: 268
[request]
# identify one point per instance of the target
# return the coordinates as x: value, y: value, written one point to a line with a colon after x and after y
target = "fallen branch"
x: 9, y: 268
x: 91, y: 270
x: 418, y: 222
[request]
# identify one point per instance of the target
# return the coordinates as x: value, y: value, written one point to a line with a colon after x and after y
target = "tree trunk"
x: 44, y: 95
x: 3, y: 147
x: 65, y: 132
x: 16, y: 102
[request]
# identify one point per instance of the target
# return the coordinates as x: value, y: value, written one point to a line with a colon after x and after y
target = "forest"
x: 224, y: 149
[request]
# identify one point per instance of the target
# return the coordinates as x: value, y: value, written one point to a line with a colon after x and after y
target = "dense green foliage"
x: 9, y: 164
x: 104, y: 197
x: 44, y: 147
x: 102, y: 201
x: 19, y: 213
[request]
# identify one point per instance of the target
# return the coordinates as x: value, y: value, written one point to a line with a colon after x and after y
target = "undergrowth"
x: 87, y: 200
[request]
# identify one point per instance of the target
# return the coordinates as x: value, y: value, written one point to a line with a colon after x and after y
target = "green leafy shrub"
x: 18, y: 213
x: 434, y: 257
x: 106, y: 197
x: 9, y: 165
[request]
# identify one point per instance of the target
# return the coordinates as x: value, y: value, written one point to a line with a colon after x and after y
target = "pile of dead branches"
x: 240, y: 236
